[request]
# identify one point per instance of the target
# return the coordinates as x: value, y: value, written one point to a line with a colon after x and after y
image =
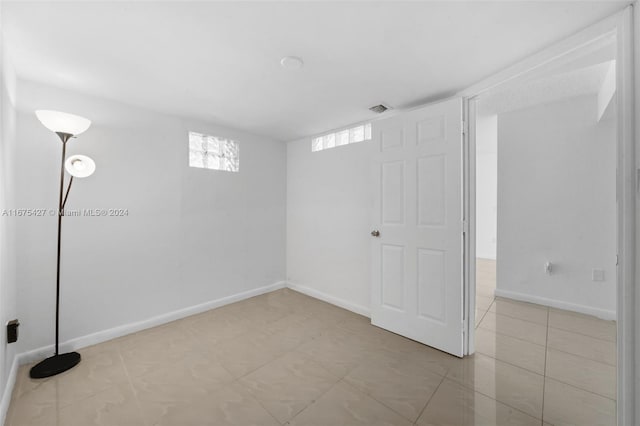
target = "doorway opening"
x: 545, y: 231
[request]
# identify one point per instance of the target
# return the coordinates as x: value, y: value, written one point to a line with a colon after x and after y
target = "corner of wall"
x: 8, y: 287
x: 344, y: 304
x: 7, y: 391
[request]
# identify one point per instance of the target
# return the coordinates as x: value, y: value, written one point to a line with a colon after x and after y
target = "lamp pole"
x: 64, y: 137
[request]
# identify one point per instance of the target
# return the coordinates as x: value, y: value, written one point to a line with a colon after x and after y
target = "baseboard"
x: 558, y: 304
x: 8, y: 390
x: 485, y: 256
x: 112, y: 333
x: 353, y: 307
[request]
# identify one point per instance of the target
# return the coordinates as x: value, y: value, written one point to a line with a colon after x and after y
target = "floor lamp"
x: 66, y: 126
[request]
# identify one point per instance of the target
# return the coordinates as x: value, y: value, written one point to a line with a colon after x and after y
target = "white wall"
x: 329, y: 205
x: 636, y: 326
x: 8, y: 303
x: 556, y: 202
x: 486, y: 185
x: 191, y: 235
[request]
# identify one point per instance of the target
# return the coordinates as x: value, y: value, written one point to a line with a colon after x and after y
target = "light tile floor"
x: 285, y: 358
x: 485, y: 286
x: 572, y: 356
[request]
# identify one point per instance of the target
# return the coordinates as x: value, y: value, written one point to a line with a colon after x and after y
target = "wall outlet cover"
x: 12, y: 331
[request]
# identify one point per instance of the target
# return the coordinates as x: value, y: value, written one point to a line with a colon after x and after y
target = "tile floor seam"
x: 546, y: 351
x: 261, y: 365
x: 255, y: 369
x: 258, y: 401
x: 223, y: 367
x: 585, y: 335
x: 518, y: 318
x: 313, y: 361
x: 429, y: 400
x: 583, y: 390
x: 579, y: 388
x: 381, y: 403
x: 483, y: 315
x: 581, y: 356
x: 316, y: 399
x: 238, y: 380
x: 391, y: 408
x: 512, y: 364
x: 496, y: 400
x: 473, y: 389
x: 513, y: 337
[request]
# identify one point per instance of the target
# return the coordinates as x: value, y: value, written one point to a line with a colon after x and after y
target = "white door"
x: 417, y: 256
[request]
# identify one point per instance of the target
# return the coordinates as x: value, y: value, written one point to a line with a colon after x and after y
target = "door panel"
x: 432, y: 129
x: 432, y: 209
x: 431, y: 284
x: 393, y: 276
x: 393, y: 203
x: 417, y: 258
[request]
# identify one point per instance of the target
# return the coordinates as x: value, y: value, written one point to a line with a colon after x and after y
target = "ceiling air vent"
x: 379, y: 109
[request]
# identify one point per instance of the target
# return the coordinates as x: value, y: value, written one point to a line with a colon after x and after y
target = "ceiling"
x: 219, y: 61
x: 566, y: 85
x: 580, y: 73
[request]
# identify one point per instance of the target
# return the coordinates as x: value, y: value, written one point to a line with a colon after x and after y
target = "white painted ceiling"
x: 566, y: 85
x: 219, y: 61
x: 580, y: 73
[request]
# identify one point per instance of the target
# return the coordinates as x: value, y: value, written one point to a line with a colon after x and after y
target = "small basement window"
x: 212, y: 152
x: 343, y: 137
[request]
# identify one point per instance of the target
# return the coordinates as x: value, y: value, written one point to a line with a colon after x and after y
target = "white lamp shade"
x: 62, y: 122
x: 80, y: 166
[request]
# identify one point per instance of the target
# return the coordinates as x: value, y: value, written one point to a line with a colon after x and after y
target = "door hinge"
x: 617, y: 260
x: 465, y: 227
x: 465, y: 128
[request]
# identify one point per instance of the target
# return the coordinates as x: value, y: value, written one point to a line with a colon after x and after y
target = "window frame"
x: 224, y: 155
x: 342, y: 137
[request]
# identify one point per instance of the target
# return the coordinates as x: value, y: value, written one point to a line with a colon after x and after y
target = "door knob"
x: 375, y: 233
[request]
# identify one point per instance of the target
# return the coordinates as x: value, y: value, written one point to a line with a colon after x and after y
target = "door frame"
x: 620, y: 24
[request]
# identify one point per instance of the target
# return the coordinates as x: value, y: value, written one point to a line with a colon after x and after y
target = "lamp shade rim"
x: 63, y: 122
x: 80, y: 166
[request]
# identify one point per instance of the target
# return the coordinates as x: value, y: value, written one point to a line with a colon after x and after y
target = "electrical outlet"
x: 597, y: 275
x: 12, y: 331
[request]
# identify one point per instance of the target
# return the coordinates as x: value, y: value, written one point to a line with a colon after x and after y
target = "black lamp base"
x: 54, y: 365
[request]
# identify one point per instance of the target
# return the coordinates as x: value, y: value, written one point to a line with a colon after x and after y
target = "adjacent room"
x: 546, y: 222
x: 318, y: 213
